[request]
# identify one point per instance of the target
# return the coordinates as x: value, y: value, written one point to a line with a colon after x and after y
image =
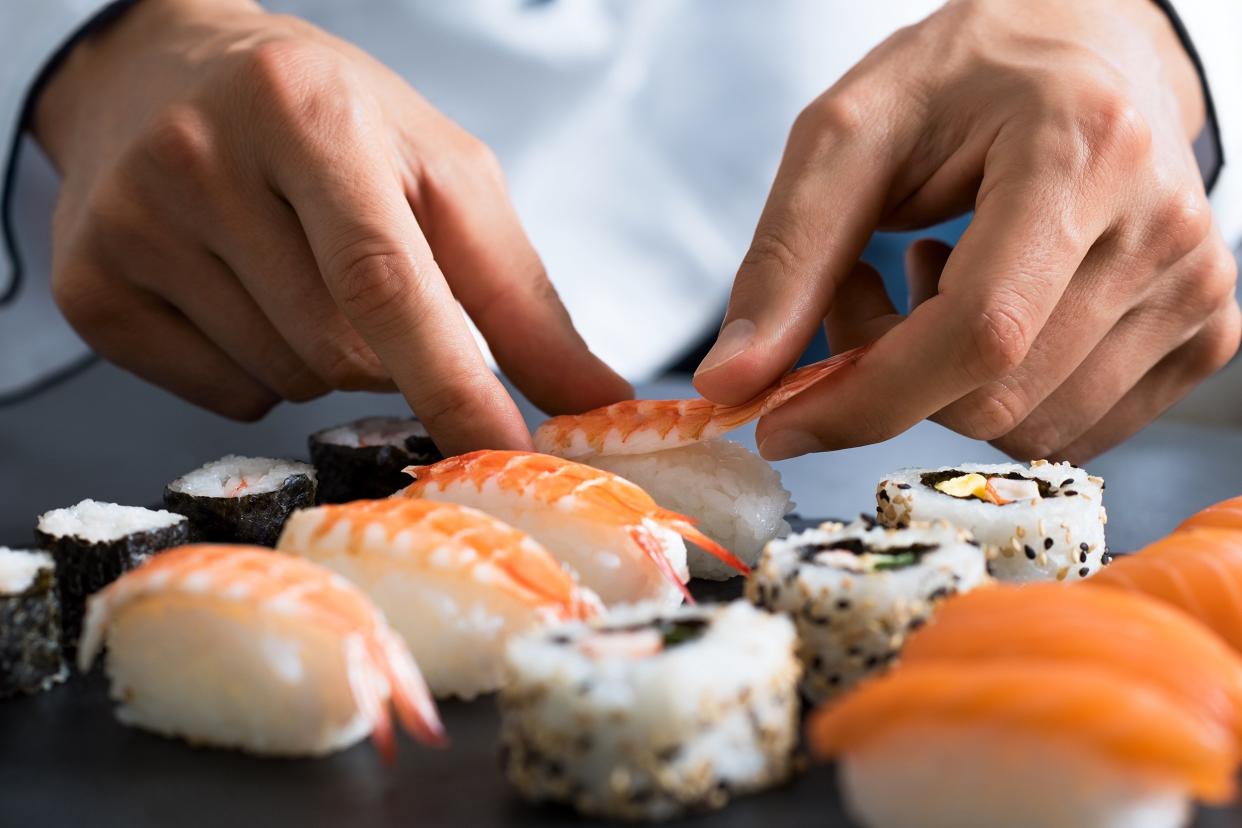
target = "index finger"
x: 998, y: 289
x: 380, y: 271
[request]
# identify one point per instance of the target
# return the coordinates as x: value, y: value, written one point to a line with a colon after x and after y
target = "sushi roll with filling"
x: 454, y: 582
x: 30, y: 653
x: 242, y: 499
x: 648, y: 714
x: 734, y: 494
x: 364, y: 458
x: 93, y: 543
x: 855, y: 591
x: 1039, y: 523
x: 242, y: 647
x: 1021, y: 745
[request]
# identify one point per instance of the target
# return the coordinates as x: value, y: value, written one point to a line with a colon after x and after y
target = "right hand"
x: 253, y: 210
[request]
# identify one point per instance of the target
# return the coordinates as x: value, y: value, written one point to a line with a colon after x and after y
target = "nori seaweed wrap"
x: 364, y: 459
x: 94, y: 543
x: 30, y: 649
x: 242, y: 499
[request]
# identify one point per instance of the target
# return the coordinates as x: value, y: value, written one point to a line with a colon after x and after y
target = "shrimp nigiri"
x: 1199, y: 571
x: 674, y: 450
x: 622, y: 545
x: 1021, y: 744
x: 454, y: 582
x: 242, y: 647
x: 1051, y: 622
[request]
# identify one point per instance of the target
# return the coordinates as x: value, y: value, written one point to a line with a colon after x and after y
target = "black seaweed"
x: 83, y: 568
x: 254, y: 518
x: 902, y: 556
x: 673, y: 631
x: 30, y: 638
x: 930, y: 479
x: 346, y: 473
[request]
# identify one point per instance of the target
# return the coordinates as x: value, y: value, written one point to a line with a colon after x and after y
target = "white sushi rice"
x: 954, y: 776
x: 734, y: 494
x: 595, y: 718
x: 96, y: 522
x: 1038, y: 539
x: 236, y: 476
x: 19, y: 567
x: 373, y: 431
x: 854, y: 595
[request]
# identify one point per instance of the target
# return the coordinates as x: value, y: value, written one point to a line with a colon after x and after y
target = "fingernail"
x: 782, y: 445
x: 733, y: 340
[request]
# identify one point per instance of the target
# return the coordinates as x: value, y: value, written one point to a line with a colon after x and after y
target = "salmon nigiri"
x: 1105, y: 628
x: 1023, y: 745
x: 454, y: 582
x: 622, y: 544
x: 1224, y: 515
x: 1199, y: 571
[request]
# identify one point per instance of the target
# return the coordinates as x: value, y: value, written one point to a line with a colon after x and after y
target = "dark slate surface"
x: 65, y: 761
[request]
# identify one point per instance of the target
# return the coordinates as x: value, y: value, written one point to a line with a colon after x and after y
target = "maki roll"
x: 93, y: 543
x: 30, y: 654
x: 734, y: 494
x: 855, y: 591
x: 649, y: 714
x: 242, y: 499
x: 364, y: 459
x: 1038, y: 523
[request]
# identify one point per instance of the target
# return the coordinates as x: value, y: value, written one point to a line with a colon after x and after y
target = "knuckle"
x: 299, y: 84
x: 1180, y: 221
x: 458, y: 402
x: 179, y: 143
x: 987, y: 414
x: 1111, y: 128
x: 84, y: 306
x: 772, y: 248
x: 838, y: 111
x: 370, y: 280
x: 999, y: 339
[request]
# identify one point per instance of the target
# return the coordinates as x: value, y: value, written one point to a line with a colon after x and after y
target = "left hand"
x: 1091, y: 289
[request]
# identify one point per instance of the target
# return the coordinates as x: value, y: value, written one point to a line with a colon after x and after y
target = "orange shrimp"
x: 1132, y: 725
x: 1224, y: 515
x: 380, y: 667
x: 1047, y: 622
x: 574, y: 510
x: 641, y: 426
x: 1199, y: 571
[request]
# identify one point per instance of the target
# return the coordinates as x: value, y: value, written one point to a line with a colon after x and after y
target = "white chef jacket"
x: 639, y: 137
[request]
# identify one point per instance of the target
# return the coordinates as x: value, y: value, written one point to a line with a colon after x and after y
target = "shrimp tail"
x: 411, y: 697
x: 652, y: 547
x: 693, y: 534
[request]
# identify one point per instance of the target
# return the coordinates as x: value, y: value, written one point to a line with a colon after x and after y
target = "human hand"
x: 1091, y: 289
x: 254, y: 210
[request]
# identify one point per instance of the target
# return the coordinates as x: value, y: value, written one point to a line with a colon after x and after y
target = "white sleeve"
x: 1214, y: 29
x: 32, y: 34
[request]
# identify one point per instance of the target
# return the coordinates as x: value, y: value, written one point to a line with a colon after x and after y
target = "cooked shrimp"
x: 455, y: 582
x: 295, y: 628
x: 641, y: 426
x: 618, y: 540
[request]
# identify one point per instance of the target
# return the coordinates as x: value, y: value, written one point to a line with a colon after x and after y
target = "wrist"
x: 73, y: 88
x: 1178, y: 67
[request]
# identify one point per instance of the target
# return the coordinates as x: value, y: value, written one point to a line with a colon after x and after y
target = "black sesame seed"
x: 1030, y: 553
x: 843, y: 604
x: 1069, y: 492
x: 903, y: 485
x: 1082, y: 557
x: 1083, y: 546
x: 817, y: 663
x: 1107, y: 559
x: 1047, y: 543
x: 871, y: 662
x: 834, y: 680
x: 915, y: 623
x: 883, y: 495
x: 1066, y: 482
x: 855, y: 650
x: 1084, y: 572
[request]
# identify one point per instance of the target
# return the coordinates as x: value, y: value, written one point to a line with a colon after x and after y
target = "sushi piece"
x: 734, y: 494
x: 669, y: 449
x: 623, y: 546
x: 454, y: 582
x: 648, y: 713
x: 242, y: 499
x: 93, y: 543
x: 30, y: 654
x: 1046, y: 622
x: 1224, y: 515
x: 242, y: 647
x: 1039, y: 523
x: 855, y: 591
x: 1199, y: 571
x: 1023, y: 745
x: 365, y: 458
